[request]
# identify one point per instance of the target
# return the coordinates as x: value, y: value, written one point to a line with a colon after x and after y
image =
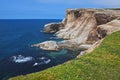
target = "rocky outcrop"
x: 82, y: 28
x: 103, y: 18
x: 78, y: 25
x: 110, y: 27
x: 90, y: 49
x: 48, y: 45
x: 103, y: 30
x: 52, y: 27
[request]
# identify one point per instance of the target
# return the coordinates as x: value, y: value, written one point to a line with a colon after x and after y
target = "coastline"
x: 86, y: 44
x: 81, y: 29
x: 20, y: 56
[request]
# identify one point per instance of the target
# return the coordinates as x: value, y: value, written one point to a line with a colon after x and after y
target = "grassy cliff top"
x: 102, y: 64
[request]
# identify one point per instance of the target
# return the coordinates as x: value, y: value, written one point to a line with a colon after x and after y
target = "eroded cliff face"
x: 77, y: 25
x: 81, y: 28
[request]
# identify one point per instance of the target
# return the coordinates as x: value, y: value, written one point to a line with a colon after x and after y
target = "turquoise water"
x: 17, y: 57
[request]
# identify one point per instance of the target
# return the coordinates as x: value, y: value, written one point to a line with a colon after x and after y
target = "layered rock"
x: 77, y: 25
x: 103, y: 30
x: 110, y: 27
x: 81, y: 28
x: 103, y: 18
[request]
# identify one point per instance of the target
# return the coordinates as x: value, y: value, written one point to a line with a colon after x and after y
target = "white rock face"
x: 77, y: 30
x: 48, y: 45
x: 82, y: 27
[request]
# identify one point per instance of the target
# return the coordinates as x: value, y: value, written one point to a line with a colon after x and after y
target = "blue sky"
x: 47, y: 9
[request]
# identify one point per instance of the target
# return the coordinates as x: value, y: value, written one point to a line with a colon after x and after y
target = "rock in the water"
x: 52, y: 27
x: 48, y: 45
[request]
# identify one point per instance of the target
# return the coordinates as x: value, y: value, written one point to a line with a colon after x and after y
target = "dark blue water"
x: 16, y: 38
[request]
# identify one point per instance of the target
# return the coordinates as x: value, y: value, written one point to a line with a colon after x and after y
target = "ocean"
x: 17, y: 57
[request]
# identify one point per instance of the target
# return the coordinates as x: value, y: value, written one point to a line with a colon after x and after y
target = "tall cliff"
x: 81, y: 28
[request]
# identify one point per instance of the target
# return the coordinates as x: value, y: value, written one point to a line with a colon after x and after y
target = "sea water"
x: 17, y: 57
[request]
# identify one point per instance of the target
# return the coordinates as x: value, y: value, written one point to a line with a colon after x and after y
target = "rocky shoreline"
x: 82, y: 29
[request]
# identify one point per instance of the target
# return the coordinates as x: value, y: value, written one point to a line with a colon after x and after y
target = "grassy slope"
x: 102, y: 64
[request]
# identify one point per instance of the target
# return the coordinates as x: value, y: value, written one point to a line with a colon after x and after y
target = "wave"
x: 42, y: 60
x: 21, y: 59
x: 38, y: 61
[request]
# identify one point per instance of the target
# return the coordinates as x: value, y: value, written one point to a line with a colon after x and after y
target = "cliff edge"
x: 82, y: 28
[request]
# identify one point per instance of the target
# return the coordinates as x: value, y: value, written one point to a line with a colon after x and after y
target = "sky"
x: 48, y: 9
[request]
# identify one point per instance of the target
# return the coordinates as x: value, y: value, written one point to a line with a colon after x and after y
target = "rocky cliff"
x: 82, y: 28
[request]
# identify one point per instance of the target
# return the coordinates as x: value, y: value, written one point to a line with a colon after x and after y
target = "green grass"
x: 101, y: 64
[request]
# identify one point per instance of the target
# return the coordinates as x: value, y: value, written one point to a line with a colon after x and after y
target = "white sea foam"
x: 21, y: 59
x: 47, y: 61
x: 35, y: 64
x: 50, y: 24
x: 82, y: 52
x: 43, y: 60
